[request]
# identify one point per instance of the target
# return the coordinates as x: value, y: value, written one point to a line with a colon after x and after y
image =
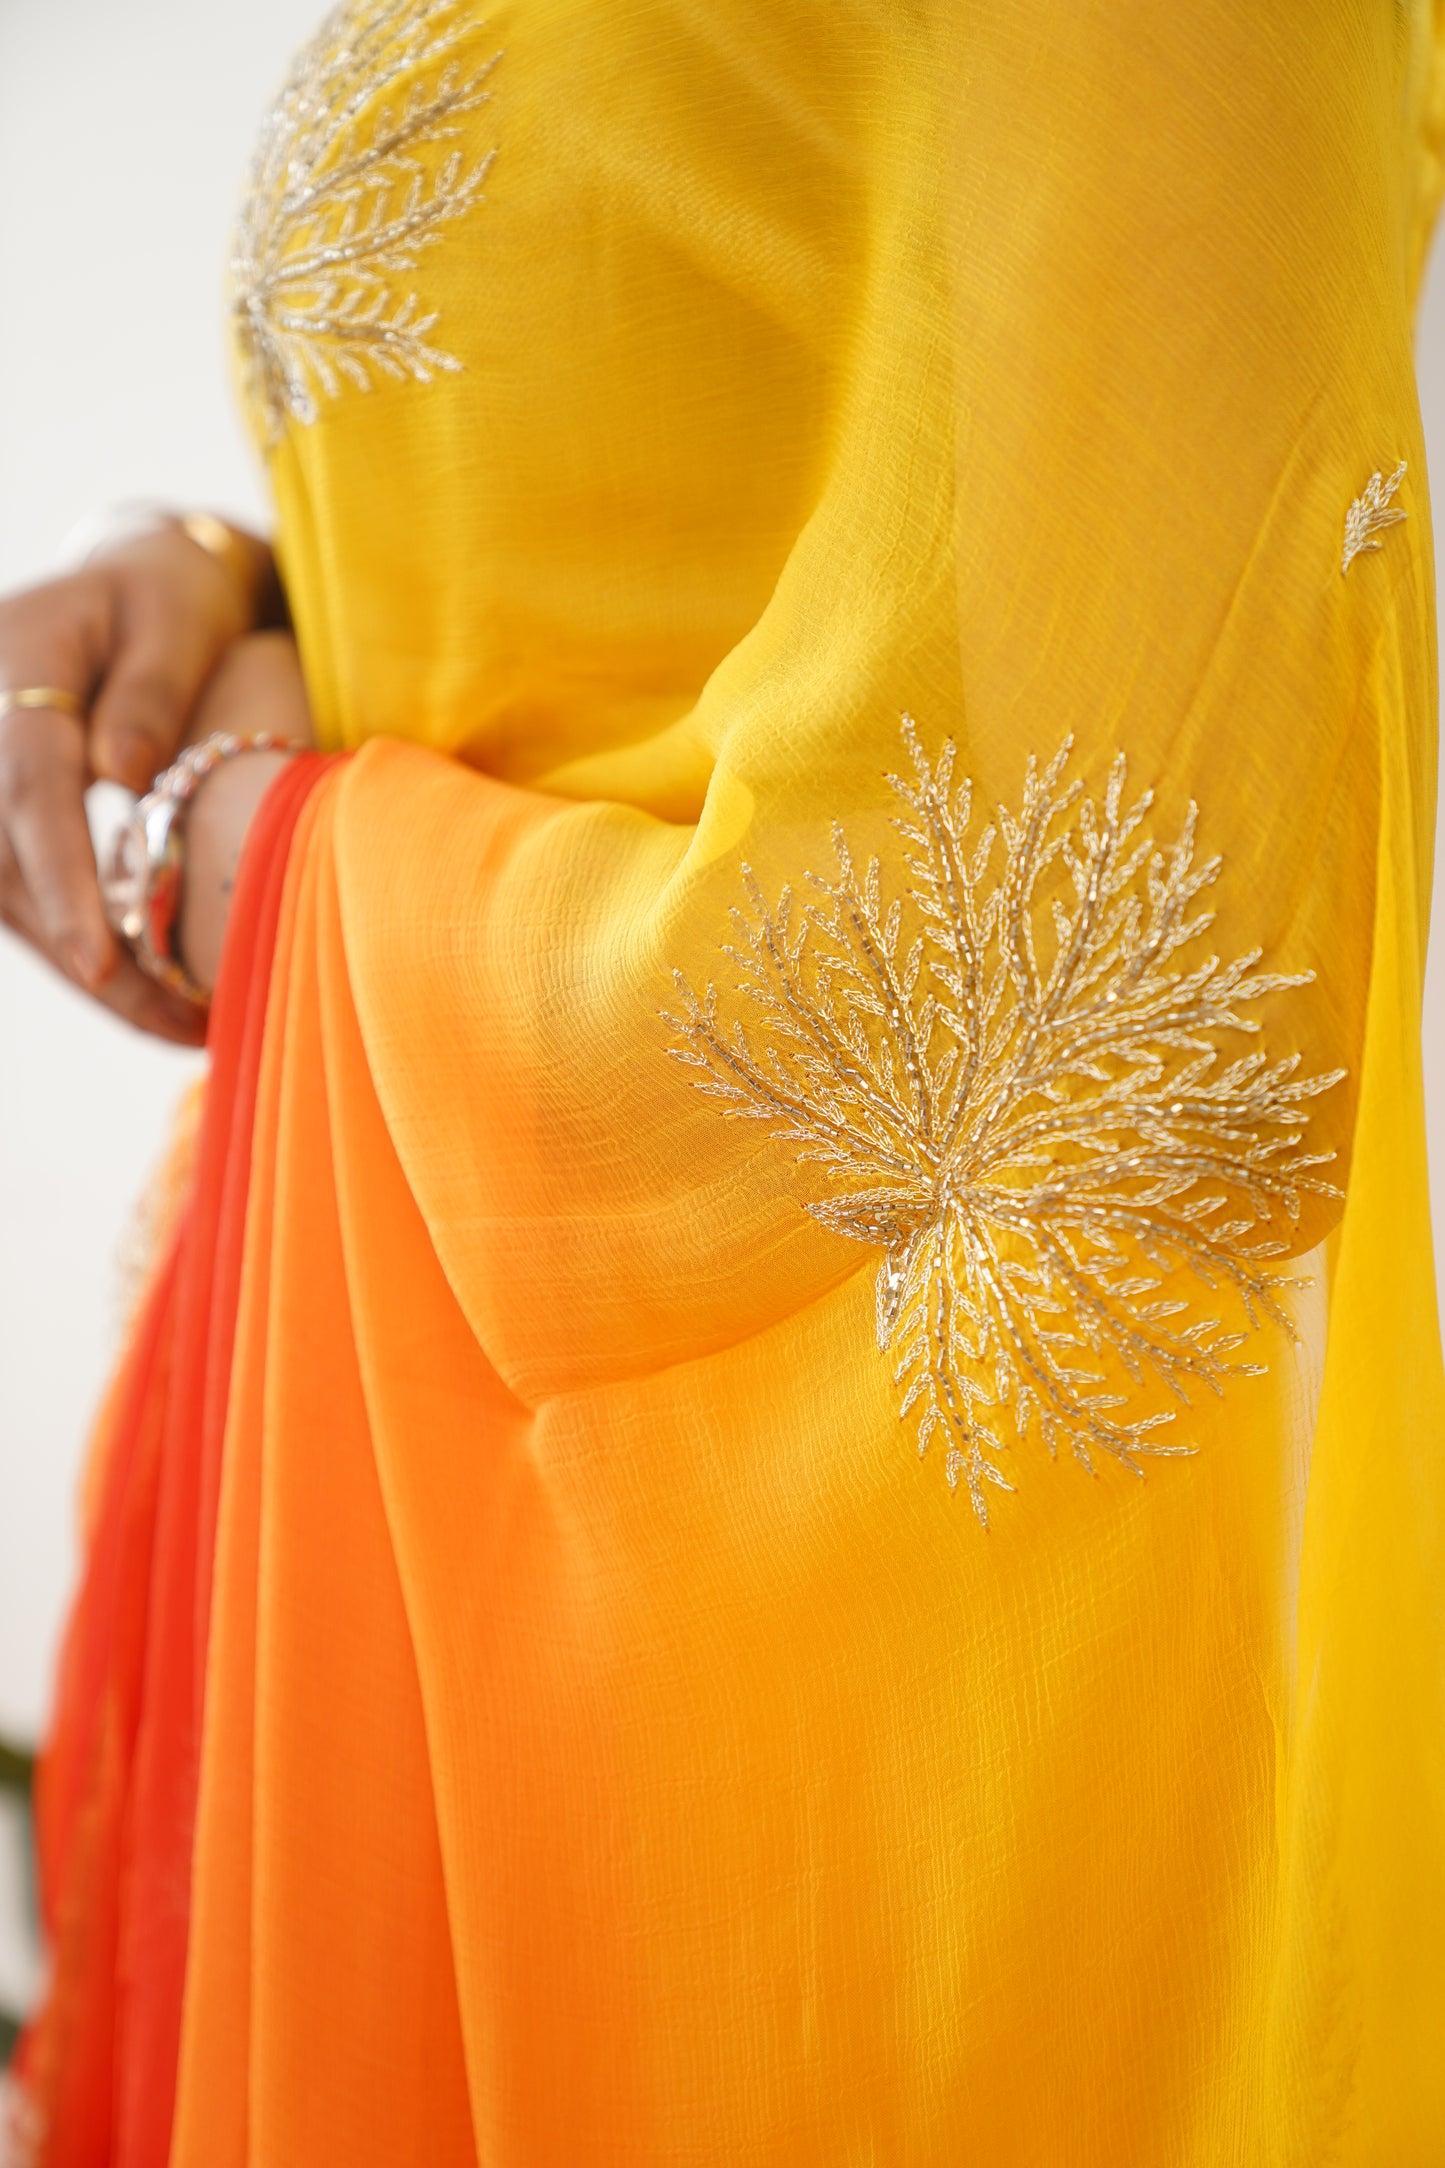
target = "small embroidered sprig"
x: 1373, y: 510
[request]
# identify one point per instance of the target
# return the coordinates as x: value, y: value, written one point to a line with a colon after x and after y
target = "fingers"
x: 140, y: 716
x: 174, y: 611
x: 42, y: 809
x: 54, y: 635
x: 138, y: 1001
x: 136, y: 634
x: 126, y: 992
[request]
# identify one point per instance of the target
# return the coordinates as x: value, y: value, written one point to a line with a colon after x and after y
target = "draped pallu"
x: 704, y: 438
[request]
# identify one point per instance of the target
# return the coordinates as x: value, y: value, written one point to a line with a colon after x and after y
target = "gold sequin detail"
x: 1012, y: 1077
x: 1372, y: 511
x: 346, y: 194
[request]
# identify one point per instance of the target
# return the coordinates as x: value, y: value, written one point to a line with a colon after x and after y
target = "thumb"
x: 141, y: 712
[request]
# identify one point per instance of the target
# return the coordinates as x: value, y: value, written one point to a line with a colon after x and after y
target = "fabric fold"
x: 117, y: 1783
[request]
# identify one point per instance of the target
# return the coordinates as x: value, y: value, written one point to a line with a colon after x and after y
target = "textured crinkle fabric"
x: 620, y: 1743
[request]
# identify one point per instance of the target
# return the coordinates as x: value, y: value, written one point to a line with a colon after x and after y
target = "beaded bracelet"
x: 144, y: 863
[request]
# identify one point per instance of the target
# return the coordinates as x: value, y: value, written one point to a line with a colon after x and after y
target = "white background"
x: 125, y: 126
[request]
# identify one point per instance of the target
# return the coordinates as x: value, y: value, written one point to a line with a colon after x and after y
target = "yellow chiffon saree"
x: 829, y: 1539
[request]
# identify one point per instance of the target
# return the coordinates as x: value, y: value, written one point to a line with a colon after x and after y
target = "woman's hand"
x: 135, y: 634
x: 256, y: 686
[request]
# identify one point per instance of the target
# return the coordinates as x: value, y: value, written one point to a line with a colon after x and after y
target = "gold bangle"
x: 43, y: 696
x: 220, y: 541
x: 212, y: 533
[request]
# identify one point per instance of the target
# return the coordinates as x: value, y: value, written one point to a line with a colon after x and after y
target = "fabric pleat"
x: 117, y: 1787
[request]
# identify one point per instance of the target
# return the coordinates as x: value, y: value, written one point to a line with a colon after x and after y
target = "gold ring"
x: 44, y: 696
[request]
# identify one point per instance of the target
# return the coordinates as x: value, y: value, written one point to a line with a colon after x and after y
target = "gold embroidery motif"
x: 341, y: 204
x: 1372, y: 511
x: 1015, y: 1084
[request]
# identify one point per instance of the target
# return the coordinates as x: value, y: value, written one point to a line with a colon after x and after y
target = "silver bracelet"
x: 143, y: 866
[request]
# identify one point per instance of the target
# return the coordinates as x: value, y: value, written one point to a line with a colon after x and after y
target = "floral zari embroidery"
x: 346, y: 194
x: 1012, y: 1079
x: 1371, y: 513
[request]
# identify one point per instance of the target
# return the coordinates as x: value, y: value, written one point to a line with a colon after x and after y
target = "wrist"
x: 144, y: 873
x: 218, y: 822
x: 245, y: 559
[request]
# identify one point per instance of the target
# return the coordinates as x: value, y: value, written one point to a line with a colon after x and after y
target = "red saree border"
x: 117, y: 1782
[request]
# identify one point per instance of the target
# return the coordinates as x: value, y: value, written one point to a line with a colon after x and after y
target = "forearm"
x: 258, y: 687
x: 216, y: 829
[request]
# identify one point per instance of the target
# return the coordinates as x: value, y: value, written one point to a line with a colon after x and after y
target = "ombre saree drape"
x: 610, y: 1739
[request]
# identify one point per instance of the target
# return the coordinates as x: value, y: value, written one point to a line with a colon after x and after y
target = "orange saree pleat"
x: 67, y: 2060
x: 116, y: 1801
x: 319, y: 1883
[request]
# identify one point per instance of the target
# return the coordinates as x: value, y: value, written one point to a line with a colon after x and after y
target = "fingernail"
x: 85, y: 961
x: 190, y: 1028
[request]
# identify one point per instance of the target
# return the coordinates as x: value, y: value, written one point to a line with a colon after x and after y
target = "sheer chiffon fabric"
x: 614, y: 1743
x: 116, y: 1803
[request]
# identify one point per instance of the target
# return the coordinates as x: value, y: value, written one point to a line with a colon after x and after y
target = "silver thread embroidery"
x: 1372, y: 511
x: 343, y: 201
x: 1013, y: 1081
